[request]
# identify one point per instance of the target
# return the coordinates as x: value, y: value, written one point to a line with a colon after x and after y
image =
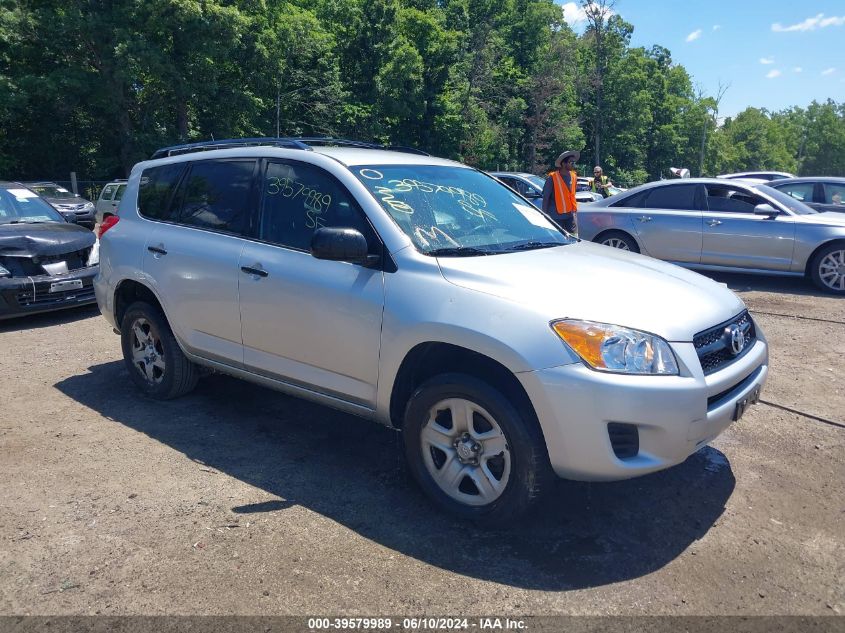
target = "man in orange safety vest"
x: 559, y: 191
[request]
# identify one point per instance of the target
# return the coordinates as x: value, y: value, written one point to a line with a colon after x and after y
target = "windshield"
x: 53, y: 191
x: 456, y: 211
x: 536, y: 181
x: 794, y: 205
x: 24, y: 206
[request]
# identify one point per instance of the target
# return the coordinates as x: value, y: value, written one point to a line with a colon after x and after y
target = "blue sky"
x: 774, y: 54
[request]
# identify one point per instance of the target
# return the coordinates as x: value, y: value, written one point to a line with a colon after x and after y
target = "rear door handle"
x: 644, y: 218
x: 157, y: 250
x: 714, y: 222
x: 253, y: 270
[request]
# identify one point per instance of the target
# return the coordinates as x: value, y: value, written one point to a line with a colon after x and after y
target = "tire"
x: 488, y: 467
x: 618, y: 239
x: 828, y: 268
x: 154, y: 359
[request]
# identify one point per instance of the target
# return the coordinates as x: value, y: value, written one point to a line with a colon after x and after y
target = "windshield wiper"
x: 529, y: 246
x: 458, y: 251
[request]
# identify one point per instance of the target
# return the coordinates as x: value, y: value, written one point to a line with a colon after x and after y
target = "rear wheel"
x: 474, y: 453
x: 618, y: 239
x: 828, y: 268
x: 154, y: 359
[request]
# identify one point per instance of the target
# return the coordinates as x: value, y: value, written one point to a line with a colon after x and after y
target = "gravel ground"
x: 240, y: 500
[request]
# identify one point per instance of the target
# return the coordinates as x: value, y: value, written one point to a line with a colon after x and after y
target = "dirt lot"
x: 240, y: 500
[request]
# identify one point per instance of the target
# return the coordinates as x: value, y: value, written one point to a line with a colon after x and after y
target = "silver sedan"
x: 714, y: 224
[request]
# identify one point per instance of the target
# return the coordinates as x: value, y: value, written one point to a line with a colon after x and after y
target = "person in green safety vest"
x: 600, y: 183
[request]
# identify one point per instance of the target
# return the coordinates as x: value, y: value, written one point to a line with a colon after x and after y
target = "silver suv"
x: 428, y: 296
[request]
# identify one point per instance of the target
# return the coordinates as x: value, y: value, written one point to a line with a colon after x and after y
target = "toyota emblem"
x: 737, y: 338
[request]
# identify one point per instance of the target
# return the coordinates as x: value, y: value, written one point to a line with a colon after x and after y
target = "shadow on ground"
x: 49, y: 319
x: 348, y: 469
x: 739, y: 282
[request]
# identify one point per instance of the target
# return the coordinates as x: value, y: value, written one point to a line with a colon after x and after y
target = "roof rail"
x: 202, y: 146
x: 303, y: 143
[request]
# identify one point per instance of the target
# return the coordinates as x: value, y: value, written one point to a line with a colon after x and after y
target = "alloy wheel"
x: 147, y: 351
x: 832, y: 270
x: 616, y: 242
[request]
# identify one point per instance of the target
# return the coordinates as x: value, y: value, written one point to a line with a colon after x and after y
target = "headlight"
x: 94, y: 257
x: 4, y: 272
x: 88, y: 206
x: 617, y: 349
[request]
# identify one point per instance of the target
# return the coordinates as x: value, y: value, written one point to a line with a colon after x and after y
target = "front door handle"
x: 713, y: 222
x: 255, y: 270
x: 644, y: 218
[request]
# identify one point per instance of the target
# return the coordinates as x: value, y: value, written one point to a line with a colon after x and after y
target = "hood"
x: 828, y: 218
x: 596, y: 283
x: 54, y: 238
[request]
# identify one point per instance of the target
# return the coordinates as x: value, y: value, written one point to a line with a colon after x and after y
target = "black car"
x: 822, y: 193
x: 73, y: 207
x: 46, y: 262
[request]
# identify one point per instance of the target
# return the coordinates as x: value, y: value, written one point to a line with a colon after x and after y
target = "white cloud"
x: 828, y: 71
x: 694, y: 35
x: 798, y: 69
x: 773, y: 73
x: 810, y: 24
x: 767, y: 60
x: 716, y: 27
x: 574, y: 14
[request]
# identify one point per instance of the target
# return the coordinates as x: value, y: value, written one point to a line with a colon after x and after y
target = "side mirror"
x: 341, y: 245
x: 766, y: 209
x: 533, y: 194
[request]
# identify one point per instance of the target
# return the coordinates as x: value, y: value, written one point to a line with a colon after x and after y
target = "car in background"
x: 716, y: 224
x: 527, y: 185
x: 757, y: 176
x: 72, y: 206
x: 822, y: 193
x: 588, y: 197
x: 46, y: 262
x: 109, y: 199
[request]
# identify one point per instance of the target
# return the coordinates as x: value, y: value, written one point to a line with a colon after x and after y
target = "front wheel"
x: 828, y: 268
x: 155, y: 361
x: 474, y: 453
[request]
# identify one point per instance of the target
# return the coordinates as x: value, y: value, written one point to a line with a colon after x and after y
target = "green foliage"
x: 94, y: 86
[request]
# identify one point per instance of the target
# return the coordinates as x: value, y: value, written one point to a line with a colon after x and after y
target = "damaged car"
x: 46, y: 263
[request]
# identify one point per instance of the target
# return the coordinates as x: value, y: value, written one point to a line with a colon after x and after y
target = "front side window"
x: 216, y: 195
x: 108, y: 192
x: 119, y: 194
x: 681, y: 197
x: 298, y: 199
x: 456, y: 211
x: 802, y: 191
x: 834, y: 194
x: 156, y: 189
x: 725, y: 199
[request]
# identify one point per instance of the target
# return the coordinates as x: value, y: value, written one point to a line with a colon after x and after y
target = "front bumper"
x: 43, y: 293
x: 674, y: 415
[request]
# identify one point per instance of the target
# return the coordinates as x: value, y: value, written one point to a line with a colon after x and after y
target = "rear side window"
x: 216, y: 195
x: 299, y: 199
x: 120, y: 190
x: 680, y: 197
x: 155, y: 191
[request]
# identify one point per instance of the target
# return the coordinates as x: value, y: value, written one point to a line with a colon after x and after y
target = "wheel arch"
x: 128, y: 292
x: 429, y: 359
x: 808, y: 272
x: 598, y: 238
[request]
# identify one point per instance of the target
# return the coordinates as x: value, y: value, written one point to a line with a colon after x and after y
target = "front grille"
x: 624, y: 438
x: 32, y: 266
x: 713, y: 345
x: 29, y: 298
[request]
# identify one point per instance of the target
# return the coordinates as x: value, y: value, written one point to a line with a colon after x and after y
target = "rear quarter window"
x: 155, y: 191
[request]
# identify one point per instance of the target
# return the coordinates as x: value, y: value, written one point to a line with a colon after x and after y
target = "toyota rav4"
x: 428, y: 296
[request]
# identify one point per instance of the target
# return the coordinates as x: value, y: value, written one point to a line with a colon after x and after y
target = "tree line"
x: 93, y: 86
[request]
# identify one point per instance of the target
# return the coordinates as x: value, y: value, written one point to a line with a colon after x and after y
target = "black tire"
x: 618, y: 239
x: 828, y: 268
x: 524, y: 459
x: 165, y: 372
